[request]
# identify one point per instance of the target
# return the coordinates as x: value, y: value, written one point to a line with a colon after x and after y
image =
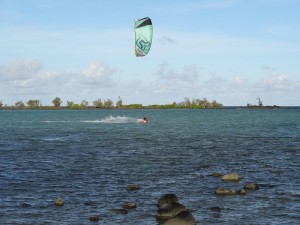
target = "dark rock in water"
x: 166, y: 199
x: 216, y: 174
x: 183, y: 218
x: 241, y: 192
x: 224, y: 191
x: 132, y: 187
x: 216, y: 208
x: 231, y: 177
x: 59, y: 202
x: 217, y: 215
x: 25, y: 205
x: 90, y: 203
x: 129, y: 205
x: 251, y: 186
x: 120, y: 211
x: 204, y: 166
x: 94, y: 218
x: 170, y: 210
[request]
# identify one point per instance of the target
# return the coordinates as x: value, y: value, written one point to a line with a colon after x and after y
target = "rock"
x: 183, y: 218
x: 216, y: 208
x: 129, y: 205
x: 216, y: 174
x: 133, y: 187
x: 120, y: 211
x: 94, y: 218
x: 216, y: 215
x: 166, y: 199
x: 231, y: 177
x: 251, y: 186
x: 25, y: 205
x: 90, y: 203
x: 59, y: 202
x: 241, y: 192
x: 170, y: 210
x: 224, y: 191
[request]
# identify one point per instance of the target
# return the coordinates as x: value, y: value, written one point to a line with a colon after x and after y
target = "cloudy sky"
x: 232, y: 51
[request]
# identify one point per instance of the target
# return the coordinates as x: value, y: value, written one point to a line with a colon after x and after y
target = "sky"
x: 231, y: 51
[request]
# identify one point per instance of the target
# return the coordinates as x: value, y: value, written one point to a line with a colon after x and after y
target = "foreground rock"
x: 167, y: 199
x: 234, y: 177
x: 171, y: 212
x: 183, y: 218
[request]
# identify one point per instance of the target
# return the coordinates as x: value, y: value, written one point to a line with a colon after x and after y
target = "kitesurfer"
x: 145, y: 118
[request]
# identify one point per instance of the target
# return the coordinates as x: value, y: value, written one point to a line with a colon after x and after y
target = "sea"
x: 89, y: 157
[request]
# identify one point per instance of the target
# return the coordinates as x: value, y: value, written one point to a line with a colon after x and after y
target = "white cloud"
x: 20, y: 70
x: 97, y: 73
x: 189, y: 73
x: 30, y: 79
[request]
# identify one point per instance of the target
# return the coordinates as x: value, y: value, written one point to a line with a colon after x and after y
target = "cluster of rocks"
x: 233, y: 177
x: 171, y: 212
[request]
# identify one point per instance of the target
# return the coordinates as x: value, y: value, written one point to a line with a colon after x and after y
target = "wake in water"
x: 113, y: 119
x: 109, y: 119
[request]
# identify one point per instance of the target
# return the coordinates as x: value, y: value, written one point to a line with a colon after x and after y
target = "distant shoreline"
x: 53, y: 108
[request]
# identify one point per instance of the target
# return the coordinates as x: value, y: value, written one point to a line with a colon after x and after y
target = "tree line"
x: 193, y: 103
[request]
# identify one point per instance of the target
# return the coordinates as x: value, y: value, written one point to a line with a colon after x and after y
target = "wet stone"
x: 120, y: 211
x: 94, y: 218
x: 133, y: 187
x: 129, y: 205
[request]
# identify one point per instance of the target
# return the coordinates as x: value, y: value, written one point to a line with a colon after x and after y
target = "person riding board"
x: 145, y: 118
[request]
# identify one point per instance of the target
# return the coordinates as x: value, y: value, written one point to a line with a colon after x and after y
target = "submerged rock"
x: 25, y: 205
x: 90, y: 203
x: 133, y: 187
x: 215, y: 174
x: 231, y: 177
x: 94, y: 218
x: 183, y: 218
x: 129, y: 205
x: 215, y: 208
x: 59, y: 202
x: 224, y: 191
x: 251, y: 186
x: 120, y: 211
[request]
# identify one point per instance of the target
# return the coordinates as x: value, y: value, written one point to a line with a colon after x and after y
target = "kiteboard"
x: 143, y: 121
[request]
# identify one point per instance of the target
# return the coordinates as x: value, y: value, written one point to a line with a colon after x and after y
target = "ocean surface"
x: 88, y: 158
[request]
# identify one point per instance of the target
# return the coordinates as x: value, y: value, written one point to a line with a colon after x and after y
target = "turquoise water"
x: 91, y: 156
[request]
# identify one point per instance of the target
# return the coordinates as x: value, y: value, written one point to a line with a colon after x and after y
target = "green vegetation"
x: 57, y: 102
x: 187, y: 103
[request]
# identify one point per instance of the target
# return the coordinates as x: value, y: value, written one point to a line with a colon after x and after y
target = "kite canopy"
x: 143, y: 32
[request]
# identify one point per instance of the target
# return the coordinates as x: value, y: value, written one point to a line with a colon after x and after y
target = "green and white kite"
x: 143, y: 32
